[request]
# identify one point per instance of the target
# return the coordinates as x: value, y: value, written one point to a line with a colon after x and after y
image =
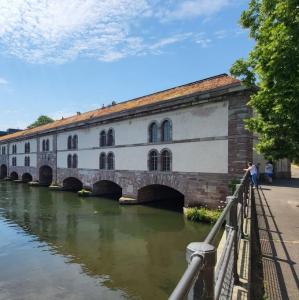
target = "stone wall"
x: 240, y: 140
x: 198, y: 188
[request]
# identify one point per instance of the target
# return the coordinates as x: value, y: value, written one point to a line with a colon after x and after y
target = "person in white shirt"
x: 253, y: 173
x: 269, y: 171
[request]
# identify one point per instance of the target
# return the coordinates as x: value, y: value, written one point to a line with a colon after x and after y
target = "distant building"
x: 9, y: 131
x: 186, y: 142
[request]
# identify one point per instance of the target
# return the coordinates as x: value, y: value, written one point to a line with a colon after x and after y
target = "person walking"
x: 253, y: 174
x: 269, y: 171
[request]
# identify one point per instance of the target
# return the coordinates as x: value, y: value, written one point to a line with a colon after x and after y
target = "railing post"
x: 232, y: 222
x: 203, y: 287
x: 241, y: 197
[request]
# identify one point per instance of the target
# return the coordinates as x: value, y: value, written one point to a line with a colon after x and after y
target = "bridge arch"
x: 45, y: 175
x: 3, y: 171
x: 170, y: 196
x: 72, y: 184
x: 14, y: 176
x: 26, y: 177
x: 107, y: 189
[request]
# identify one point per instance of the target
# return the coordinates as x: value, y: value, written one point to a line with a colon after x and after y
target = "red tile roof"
x: 187, y: 89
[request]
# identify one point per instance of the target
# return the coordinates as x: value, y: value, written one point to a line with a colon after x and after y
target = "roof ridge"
x: 155, y: 97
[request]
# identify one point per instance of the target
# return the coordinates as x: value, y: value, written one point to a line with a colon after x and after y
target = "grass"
x: 202, y: 214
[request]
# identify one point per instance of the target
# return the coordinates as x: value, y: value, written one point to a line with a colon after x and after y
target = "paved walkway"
x: 278, y: 222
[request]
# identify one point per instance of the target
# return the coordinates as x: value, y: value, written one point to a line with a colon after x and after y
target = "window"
x: 14, y: 161
x: 102, y: 161
x: 153, y: 160
x: 166, y: 131
x: 165, y: 160
x: 3, y: 150
x: 69, y: 142
x: 110, y: 137
x: 110, y: 161
x: 75, y: 142
x: 153, y: 133
x: 14, y: 149
x: 103, y: 138
x: 44, y: 146
x: 27, y: 161
x: 47, y: 146
x: 27, y: 147
x: 75, y: 161
x: 69, y: 161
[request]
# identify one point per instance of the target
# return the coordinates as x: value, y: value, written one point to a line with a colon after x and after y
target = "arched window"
x: 47, y: 147
x: 110, y: 137
x: 165, y: 160
x: 44, y: 146
x: 75, y: 161
x: 153, y: 160
x: 69, y: 142
x: 103, y: 138
x: 69, y: 161
x: 27, y: 161
x: 153, y: 133
x: 75, y: 142
x: 102, y: 161
x: 110, y: 161
x: 166, y: 131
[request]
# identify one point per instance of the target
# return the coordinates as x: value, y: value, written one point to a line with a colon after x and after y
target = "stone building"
x: 186, y: 142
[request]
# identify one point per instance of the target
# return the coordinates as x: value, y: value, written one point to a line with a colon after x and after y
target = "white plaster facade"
x: 131, y: 141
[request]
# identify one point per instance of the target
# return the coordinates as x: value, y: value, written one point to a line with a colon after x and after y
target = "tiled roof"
x: 187, y: 89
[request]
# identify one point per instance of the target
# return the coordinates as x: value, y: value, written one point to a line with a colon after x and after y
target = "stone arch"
x: 26, y: 177
x: 45, y: 175
x: 3, y: 171
x: 72, y: 184
x: 161, y: 193
x: 14, y: 175
x: 107, y: 188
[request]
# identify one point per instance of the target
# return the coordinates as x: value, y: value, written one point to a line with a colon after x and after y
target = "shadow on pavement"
x: 270, y: 238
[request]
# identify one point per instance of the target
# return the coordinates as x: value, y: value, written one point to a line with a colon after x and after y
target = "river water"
x: 55, y: 245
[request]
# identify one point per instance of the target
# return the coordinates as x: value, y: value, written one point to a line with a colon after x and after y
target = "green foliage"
x: 273, y: 65
x: 232, y: 185
x: 42, y: 120
x: 202, y: 214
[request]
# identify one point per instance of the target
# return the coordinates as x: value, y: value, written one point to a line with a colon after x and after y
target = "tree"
x: 273, y: 65
x: 41, y: 120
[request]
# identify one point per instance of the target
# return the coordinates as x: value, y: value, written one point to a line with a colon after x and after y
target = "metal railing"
x: 202, y: 278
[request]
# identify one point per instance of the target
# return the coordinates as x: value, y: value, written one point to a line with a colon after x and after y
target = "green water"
x: 55, y: 245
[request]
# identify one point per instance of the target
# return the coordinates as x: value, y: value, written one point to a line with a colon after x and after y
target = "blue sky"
x: 58, y: 57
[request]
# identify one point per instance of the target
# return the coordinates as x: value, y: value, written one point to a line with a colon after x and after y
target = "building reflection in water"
x: 138, y: 249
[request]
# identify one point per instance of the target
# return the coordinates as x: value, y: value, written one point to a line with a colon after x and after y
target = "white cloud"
x: 3, y: 81
x: 56, y: 31
x: 193, y: 8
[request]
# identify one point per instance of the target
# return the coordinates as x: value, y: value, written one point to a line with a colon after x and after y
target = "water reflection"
x: 137, y: 250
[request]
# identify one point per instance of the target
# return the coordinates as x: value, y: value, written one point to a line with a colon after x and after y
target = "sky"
x: 58, y: 57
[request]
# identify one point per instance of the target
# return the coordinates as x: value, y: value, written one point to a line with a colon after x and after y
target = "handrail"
x: 188, y: 278
x: 202, y: 261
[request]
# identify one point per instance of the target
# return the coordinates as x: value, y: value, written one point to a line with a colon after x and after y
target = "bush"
x: 232, y: 185
x: 202, y: 214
